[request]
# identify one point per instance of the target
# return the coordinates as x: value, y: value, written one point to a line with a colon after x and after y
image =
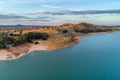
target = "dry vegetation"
x: 52, y: 38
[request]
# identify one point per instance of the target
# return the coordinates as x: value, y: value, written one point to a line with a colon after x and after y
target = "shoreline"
x: 25, y: 49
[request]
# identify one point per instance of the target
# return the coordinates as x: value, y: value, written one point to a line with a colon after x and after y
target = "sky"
x: 56, y: 12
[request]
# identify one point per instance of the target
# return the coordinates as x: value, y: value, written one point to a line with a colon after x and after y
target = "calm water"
x: 95, y: 58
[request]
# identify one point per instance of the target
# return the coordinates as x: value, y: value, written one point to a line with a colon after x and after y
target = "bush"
x: 36, y: 43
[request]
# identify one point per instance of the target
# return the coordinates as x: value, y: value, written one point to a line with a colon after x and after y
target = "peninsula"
x: 15, y: 43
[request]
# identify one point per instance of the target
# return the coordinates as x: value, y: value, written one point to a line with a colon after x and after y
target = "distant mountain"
x: 20, y: 26
x: 68, y: 25
x: 117, y: 26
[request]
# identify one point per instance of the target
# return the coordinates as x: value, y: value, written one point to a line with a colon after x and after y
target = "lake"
x: 96, y: 57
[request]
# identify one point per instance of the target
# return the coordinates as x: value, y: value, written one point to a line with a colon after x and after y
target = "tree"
x: 72, y: 37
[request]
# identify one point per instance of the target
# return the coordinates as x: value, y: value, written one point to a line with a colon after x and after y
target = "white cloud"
x: 38, y: 12
x: 49, y: 6
x: 58, y: 7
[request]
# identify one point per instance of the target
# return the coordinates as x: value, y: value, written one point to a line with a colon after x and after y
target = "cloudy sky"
x: 55, y: 12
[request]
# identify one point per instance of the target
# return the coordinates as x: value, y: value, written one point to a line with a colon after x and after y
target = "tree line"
x: 15, y: 39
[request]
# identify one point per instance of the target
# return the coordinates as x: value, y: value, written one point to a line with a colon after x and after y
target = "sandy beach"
x: 22, y: 50
x: 37, y: 47
x: 5, y: 55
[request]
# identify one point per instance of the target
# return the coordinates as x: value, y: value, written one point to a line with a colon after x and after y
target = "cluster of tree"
x: 15, y: 40
x: 36, y: 35
x: 4, y: 41
x: 19, y: 40
x: 89, y: 30
x: 62, y: 30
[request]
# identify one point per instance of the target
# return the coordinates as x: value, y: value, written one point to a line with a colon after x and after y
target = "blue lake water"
x: 95, y: 58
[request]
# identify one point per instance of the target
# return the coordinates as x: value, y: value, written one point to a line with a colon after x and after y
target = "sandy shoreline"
x: 15, y: 53
x: 18, y: 52
x: 22, y: 50
x: 5, y: 55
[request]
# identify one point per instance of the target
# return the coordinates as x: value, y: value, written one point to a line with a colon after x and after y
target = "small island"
x: 15, y: 43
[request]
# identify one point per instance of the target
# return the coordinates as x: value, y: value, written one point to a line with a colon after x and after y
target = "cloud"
x: 12, y: 16
x: 57, y: 7
x: 34, y: 20
x: 40, y: 20
x: 49, y: 6
x: 37, y: 12
x: 76, y: 12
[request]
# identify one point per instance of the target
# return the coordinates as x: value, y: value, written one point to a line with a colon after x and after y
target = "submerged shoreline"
x: 25, y: 49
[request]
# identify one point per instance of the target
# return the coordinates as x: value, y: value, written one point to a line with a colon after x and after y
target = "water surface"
x: 95, y: 58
